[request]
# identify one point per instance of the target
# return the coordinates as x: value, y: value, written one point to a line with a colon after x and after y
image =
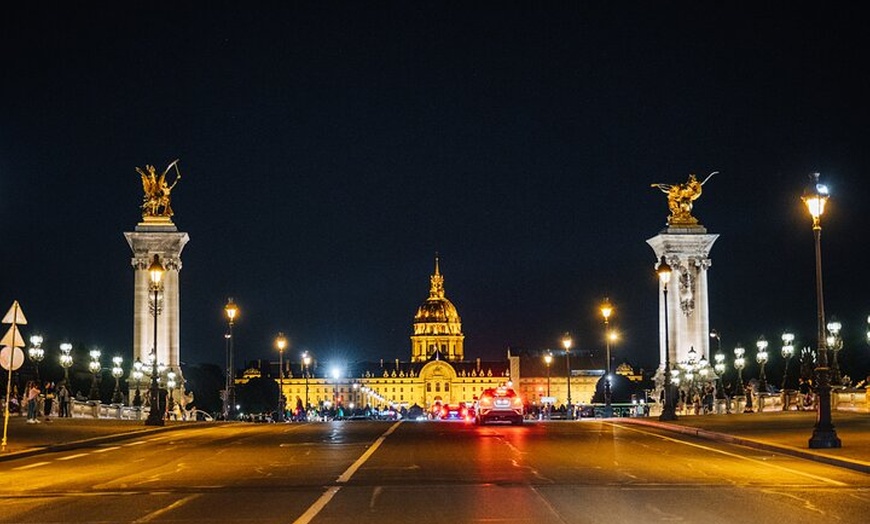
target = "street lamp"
x: 155, y: 416
x: 66, y: 360
x: 824, y: 434
x: 548, y: 359
x: 306, y: 361
x: 739, y: 364
x: 117, y: 372
x: 669, y: 410
x: 231, y: 311
x: 281, y: 343
x: 787, y: 352
x: 606, y: 311
x: 566, y: 343
x: 36, y: 353
x: 170, y: 386
x: 94, y: 367
x: 761, y: 357
x: 835, y: 344
x: 336, y: 374
x: 719, y: 369
x: 137, y: 377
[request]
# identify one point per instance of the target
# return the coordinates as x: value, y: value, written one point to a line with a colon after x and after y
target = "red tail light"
x: 486, y: 400
x: 517, y: 402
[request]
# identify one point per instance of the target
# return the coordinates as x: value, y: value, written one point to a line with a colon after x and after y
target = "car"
x: 499, y: 404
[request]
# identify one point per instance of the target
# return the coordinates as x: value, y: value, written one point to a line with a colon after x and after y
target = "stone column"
x: 686, y: 249
x: 156, y: 236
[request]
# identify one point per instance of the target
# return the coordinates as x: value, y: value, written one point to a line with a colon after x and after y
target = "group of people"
x: 40, y: 402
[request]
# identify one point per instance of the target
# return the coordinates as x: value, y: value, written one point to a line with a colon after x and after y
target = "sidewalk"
x: 24, y: 439
x: 782, y: 432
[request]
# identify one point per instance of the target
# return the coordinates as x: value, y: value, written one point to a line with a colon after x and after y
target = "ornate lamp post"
x: 719, y: 369
x: 137, y: 377
x: 566, y: 343
x: 548, y: 359
x: 306, y: 361
x: 171, y: 383
x: 94, y: 367
x: 824, y: 434
x: 669, y: 410
x: 606, y: 311
x: 155, y: 414
x: 835, y: 344
x: 36, y: 353
x: 66, y: 360
x: 739, y: 364
x: 787, y: 353
x: 281, y: 343
x: 761, y: 357
x: 231, y: 311
x: 117, y: 372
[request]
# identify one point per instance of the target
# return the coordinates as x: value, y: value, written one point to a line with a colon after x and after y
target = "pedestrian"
x: 32, y: 396
x: 49, y: 400
x: 63, y: 400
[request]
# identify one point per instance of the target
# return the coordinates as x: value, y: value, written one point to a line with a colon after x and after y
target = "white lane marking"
x: 324, y: 499
x: 178, y: 503
x: 365, y: 456
x: 103, y: 450
x: 138, y: 442
x: 318, y: 505
x: 36, y: 465
x: 735, y: 455
x: 77, y: 455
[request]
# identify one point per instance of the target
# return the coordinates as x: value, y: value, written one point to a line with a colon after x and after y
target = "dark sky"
x: 329, y: 150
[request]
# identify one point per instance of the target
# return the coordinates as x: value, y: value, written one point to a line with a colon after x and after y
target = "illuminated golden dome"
x: 437, y: 326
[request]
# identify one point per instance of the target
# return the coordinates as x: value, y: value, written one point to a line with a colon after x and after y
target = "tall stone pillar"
x: 686, y: 250
x: 686, y: 246
x: 159, y: 237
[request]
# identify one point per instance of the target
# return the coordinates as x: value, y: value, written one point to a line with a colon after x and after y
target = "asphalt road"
x: 432, y: 472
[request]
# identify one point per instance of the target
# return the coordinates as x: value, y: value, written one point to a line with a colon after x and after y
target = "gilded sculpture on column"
x: 156, y: 200
x: 680, y: 198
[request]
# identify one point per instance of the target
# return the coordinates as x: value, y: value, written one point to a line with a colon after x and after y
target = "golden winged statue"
x: 156, y: 200
x: 680, y: 198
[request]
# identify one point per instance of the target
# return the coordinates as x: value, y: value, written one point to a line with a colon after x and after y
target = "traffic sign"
x: 13, y: 356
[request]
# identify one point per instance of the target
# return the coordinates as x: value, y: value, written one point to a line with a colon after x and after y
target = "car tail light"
x: 517, y: 402
x: 486, y: 400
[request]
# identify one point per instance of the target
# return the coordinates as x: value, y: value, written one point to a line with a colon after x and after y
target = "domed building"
x: 437, y: 372
x: 437, y: 326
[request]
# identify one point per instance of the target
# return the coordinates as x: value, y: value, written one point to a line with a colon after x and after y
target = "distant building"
x: 437, y: 371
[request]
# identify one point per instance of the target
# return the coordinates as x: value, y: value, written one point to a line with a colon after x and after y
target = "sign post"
x: 11, y: 357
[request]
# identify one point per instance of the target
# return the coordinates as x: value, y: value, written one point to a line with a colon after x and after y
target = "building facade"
x: 437, y: 371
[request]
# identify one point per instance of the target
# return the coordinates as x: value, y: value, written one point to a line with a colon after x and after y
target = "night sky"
x: 330, y: 150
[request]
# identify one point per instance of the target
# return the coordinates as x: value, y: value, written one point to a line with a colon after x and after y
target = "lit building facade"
x: 437, y: 371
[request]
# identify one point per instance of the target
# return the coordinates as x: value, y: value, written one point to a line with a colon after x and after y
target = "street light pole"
x: 230, y: 390
x: 548, y: 359
x: 787, y: 352
x: 761, y: 357
x: 155, y: 415
x: 281, y: 343
x: 566, y: 343
x: 835, y: 344
x: 117, y: 372
x: 306, y: 361
x: 669, y: 410
x: 66, y: 361
x: 606, y: 311
x: 824, y: 434
x: 94, y: 367
x: 36, y: 353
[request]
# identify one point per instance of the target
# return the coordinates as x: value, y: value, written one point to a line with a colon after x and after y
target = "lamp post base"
x: 825, y: 439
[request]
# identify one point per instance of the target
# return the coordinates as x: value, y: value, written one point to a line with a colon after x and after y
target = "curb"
x: 66, y: 446
x: 853, y: 464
